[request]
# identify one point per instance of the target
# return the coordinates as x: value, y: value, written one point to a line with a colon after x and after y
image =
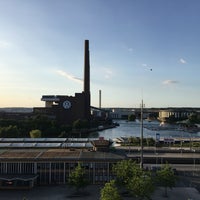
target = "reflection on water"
x: 127, y: 129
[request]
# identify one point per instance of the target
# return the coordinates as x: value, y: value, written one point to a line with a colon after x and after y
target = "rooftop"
x: 55, y: 154
x: 46, y: 142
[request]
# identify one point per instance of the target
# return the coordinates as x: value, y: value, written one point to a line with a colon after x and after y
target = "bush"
x: 131, y: 117
x: 35, y: 133
x: 9, y: 132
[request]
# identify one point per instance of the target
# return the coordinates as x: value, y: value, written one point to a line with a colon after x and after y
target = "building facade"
x: 176, y: 113
x: 26, y: 162
x: 26, y: 168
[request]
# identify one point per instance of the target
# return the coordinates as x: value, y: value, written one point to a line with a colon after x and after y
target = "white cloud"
x: 169, y: 82
x: 4, y: 44
x: 144, y: 65
x: 69, y: 76
x: 126, y: 48
x: 182, y: 61
x: 147, y: 67
x: 108, y: 73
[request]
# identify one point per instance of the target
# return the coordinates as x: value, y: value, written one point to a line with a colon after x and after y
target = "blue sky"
x: 42, y: 49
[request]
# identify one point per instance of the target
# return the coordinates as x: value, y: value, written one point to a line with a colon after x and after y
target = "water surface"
x: 127, y: 129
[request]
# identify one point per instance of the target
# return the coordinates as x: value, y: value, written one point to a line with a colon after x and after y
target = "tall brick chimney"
x: 87, y: 68
x: 87, y: 80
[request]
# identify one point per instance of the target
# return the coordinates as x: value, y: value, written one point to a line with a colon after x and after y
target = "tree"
x: 80, y: 124
x: 131, y: 117
x: 124, y: 170
x: 193, y: 118
x: 9, y: 131
x: 150, y: 142
x: 42, y: 122
x: 141, y: 185
x: 77, y: 178
x: 35, y: 133
x: 137, y: 181
x: 110, y: 192
x: 166, y: 178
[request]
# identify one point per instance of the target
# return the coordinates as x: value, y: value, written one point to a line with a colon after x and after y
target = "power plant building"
x: 67, y: 109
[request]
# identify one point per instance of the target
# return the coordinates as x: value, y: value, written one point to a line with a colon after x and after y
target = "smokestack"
x: 99, y: 98
x: 87, y: 68
x: 87, y: 80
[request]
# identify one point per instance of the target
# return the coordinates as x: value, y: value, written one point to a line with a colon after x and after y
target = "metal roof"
x: 24, y: 177
x: 30, y: 154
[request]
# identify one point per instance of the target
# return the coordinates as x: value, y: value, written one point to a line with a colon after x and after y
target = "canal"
x: 128, y: 129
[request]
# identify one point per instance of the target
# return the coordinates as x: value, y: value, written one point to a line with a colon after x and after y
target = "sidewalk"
x: 63, y: 193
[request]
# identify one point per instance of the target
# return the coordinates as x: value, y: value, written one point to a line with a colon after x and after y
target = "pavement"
x: 63, y: 192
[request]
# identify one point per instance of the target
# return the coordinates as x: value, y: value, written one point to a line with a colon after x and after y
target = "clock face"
x: 67, y: 104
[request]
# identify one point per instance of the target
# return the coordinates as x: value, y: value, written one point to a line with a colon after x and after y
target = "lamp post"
x: 193, y: 161
x: 141, y: 138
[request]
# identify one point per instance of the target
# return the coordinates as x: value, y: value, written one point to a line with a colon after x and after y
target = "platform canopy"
x: 21, y: 177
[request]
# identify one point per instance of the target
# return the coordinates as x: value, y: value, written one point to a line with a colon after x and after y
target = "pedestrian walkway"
x: 64, y: 193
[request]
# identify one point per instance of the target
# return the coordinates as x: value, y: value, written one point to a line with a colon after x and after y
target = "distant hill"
x: 16, y: 110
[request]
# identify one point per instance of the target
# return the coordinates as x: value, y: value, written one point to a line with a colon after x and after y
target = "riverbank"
x: 86, y: 132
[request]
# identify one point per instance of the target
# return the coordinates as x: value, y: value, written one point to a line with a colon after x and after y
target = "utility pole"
x: 141, y: 138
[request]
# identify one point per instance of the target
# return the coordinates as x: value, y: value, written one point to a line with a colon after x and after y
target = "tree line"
x: 10, y: 128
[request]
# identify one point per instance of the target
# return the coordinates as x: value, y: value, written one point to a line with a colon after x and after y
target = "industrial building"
x: 67, y: 109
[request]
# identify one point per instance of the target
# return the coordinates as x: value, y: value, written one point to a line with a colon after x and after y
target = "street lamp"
x: 193, y: 161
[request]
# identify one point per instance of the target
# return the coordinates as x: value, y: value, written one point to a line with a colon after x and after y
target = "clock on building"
x: 67, y: 104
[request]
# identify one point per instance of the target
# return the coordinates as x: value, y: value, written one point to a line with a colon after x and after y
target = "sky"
x: 139, y: 49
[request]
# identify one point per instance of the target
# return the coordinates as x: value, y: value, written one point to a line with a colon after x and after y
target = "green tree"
x: 166, y: 178
x: 9, y: 131
x: 35, y: 133
x: 141, y: 185
x: 124, y: 170
x: 77, y: 178
x: 110, y: 192
x: 42, y: 122
x: 193, y: 118
x: 137, y: 181
x: 80, y: 124
x: 51, y: 131
x: 150, y: 142
x: 131, y: 117
x: 134, y: 141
